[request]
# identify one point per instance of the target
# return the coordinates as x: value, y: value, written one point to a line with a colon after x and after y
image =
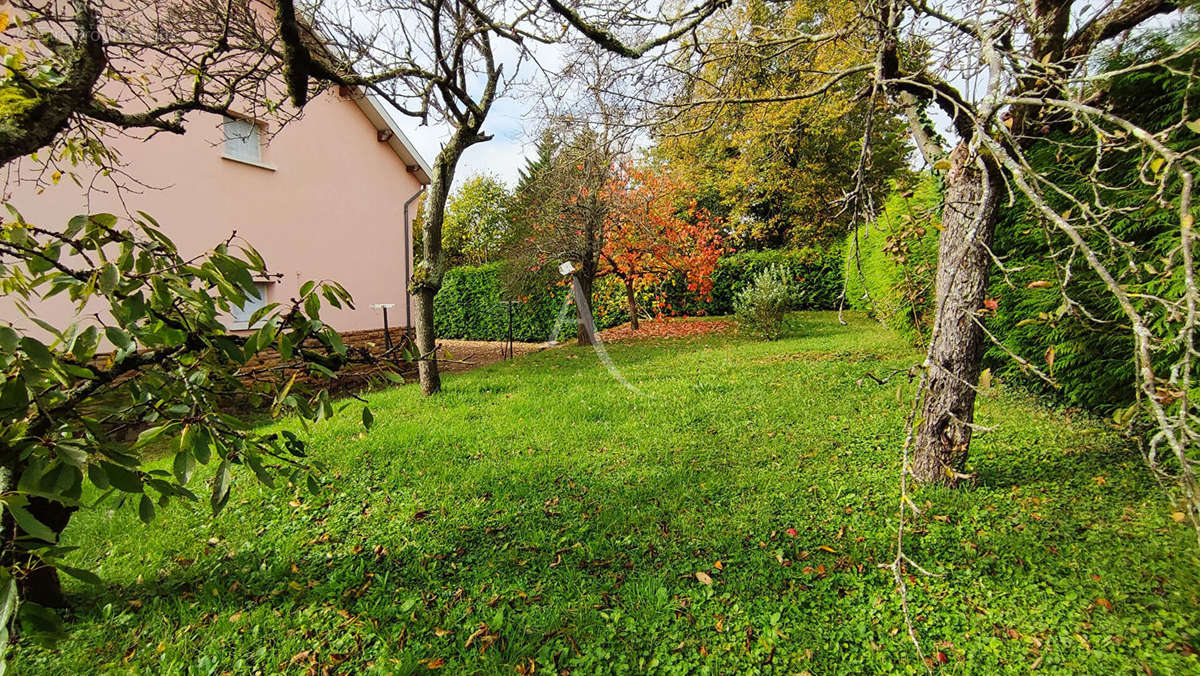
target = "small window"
x: 243, y: 140
x: 240, y: 316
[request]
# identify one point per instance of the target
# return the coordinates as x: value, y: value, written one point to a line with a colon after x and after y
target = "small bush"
x: 760, y: 308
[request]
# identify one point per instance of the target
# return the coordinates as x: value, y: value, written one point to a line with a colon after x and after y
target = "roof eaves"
x: 377, y: 112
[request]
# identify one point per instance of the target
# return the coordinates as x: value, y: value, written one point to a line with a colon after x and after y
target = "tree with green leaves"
x: 543, y: 156
x: 478, y: 221
x: 148, y: 367
x: 159, y: 367
x: 563, y: 215
x: 775, y: 167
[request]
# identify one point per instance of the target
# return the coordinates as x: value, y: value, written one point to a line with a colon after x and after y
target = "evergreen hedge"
x: 890, y: 275
x: 469, y: 304
x: 1091, y: 360
x: 815, y: 276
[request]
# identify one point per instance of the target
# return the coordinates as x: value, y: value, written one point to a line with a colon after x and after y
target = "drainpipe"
x: 409, y: 253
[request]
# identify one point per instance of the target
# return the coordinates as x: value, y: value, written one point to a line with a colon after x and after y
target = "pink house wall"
x: 331, y: 208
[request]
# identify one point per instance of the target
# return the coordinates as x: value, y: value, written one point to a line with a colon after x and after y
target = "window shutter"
x: 242, y: 140
x: 240, y: 316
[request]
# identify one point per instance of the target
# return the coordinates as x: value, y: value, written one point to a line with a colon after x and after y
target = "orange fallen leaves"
x: 667, y: 327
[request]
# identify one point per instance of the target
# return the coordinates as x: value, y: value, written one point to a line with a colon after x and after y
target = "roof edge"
x: 376, y: 111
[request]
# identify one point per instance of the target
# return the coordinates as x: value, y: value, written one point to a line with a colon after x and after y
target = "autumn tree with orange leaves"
x: 584, y: 202
x: 655, y: 230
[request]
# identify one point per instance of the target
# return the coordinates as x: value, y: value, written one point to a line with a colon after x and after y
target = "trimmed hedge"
x: 469, y: 303
x: 469, y: 306
x: 892, y: 275
x: 816, y: 279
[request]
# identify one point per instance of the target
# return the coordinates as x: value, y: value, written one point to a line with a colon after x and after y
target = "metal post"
x: 387, y: 332
x: 510, y: 336
x: 408, y: 261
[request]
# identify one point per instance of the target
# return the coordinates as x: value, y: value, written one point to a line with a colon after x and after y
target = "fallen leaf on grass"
x: 704, y: 578
x: 434, y: 663
x: 485, y: 636
x: 302, y: 656
x: 678, y: 327
x: 478, y: 632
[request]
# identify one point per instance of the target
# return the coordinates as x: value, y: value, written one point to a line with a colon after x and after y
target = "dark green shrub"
x: 815, y: 278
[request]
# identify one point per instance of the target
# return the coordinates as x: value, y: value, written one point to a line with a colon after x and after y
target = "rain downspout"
x: 408, y: 255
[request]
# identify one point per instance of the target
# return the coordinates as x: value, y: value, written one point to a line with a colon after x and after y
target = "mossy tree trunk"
x: 431, y: 268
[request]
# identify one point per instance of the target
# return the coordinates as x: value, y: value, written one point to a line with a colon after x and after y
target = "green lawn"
x: 539, y: 513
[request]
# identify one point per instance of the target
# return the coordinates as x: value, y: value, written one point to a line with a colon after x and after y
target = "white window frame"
x: 239, y: 317
x: 243, y: 141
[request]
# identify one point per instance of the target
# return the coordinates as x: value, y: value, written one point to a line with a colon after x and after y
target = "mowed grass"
x: 538, y: 515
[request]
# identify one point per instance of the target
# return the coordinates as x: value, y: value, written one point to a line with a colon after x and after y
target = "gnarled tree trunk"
x: 427, y: 280
x: 948, y: 409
